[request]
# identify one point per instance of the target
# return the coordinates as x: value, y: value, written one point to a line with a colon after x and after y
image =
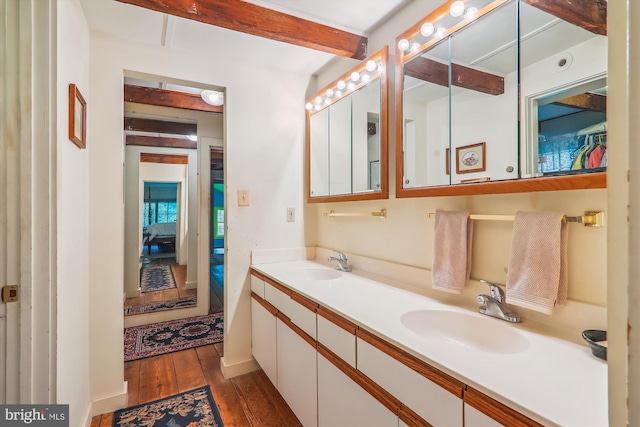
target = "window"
x: 155, y: 212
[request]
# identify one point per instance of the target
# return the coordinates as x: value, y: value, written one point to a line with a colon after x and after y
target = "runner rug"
x: 175, y: 335
x: 191, y: 408
x: 171, y: 304
x: 157, y: 277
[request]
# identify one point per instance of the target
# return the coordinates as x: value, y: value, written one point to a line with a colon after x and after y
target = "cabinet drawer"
x: 338, y: 335
x: 435, y: 404
x: 257, y: 285
x: 286, y: 301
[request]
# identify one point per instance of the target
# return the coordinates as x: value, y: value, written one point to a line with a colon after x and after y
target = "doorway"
x: 217, y: 227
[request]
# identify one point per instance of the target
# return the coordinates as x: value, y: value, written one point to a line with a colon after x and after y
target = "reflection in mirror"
x: 347, y: 135
x: 564, y: 67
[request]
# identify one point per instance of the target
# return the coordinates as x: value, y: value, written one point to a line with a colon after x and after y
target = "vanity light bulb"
x: 457, y: 8
x: 341, y: 85
x: 318, y: 107
x: 351, y: 86
x: 471, y: 13
x: 308, y: 106
x: 415, y: 47
x: 329, y: 93
x: 365, y: 77
x: 355, y: 76
x: 338, y: 93
x: 318, y: 100
x: 440, y: 31
x: 427, y: 29
x: 403, y: 45
x: 327, y: 101
x: 371, y: 65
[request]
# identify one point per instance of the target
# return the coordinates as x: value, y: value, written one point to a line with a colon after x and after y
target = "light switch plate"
x: 243, y: 197
x: 291, y: 214
x: 10, y: 293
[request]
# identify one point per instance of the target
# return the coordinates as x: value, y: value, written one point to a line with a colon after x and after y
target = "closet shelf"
x: 589, y: 219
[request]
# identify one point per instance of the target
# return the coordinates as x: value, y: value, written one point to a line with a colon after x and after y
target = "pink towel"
x: 537, y: 276
x: 452, y: 251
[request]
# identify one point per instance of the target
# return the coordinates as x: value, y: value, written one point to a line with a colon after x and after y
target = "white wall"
x: 72, y: 218
x: 264, y: 132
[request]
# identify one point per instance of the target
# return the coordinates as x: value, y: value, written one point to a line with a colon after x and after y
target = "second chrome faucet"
x: 341, y: 262
x: 495, y: 305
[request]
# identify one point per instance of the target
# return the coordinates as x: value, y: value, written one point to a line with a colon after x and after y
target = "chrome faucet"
x: 495, y: 305
x: 341, y: 262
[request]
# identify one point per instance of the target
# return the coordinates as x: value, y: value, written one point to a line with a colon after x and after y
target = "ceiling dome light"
x: 371, y: 65
x: 403, y: 45
x: 341, y: 85
x: 427, y: 29
x: 192, y: 137
x: 212, y: 97
x: 308, y: 106
x: 355, y: 76
x: 457, y: 8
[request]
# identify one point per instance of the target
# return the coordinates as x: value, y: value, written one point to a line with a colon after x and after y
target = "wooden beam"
x: 172, y: 159
x: 586, y: 101
x: 168, y: 98
x: 588, y: 14
x: 468, y: 78
x: 238, y: 15
x: 159, y: 126
x: 160, y: 141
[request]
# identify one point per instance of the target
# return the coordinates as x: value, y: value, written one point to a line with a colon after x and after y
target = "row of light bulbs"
x: 343, y: 87
x: 457, y: 9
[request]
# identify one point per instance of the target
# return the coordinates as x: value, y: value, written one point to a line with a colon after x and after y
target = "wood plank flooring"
x: 247, y: 400
x: 180, y: 274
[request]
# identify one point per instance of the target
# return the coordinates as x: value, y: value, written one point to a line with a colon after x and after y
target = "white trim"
x: 110, y: 403
x: 237, y: 369
x: 86, y: 417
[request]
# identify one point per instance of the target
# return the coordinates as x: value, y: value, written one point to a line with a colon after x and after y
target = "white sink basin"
x: 320, y: 274
x: 480, y: 333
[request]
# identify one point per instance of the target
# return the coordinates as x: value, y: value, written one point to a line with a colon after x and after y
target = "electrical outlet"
x: 291, y: 214
x: 243, y: 197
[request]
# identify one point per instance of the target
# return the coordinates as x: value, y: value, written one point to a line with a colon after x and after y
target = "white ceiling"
x: 134, y: 23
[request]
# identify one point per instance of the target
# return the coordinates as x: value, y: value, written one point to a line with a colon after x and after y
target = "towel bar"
x: 589, y: 219
x: 380, y: 214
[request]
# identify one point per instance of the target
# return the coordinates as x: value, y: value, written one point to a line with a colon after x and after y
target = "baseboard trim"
x: 111, y: 403
x: 86, y: 418
x: 236, y: 369
x: 192, y: 284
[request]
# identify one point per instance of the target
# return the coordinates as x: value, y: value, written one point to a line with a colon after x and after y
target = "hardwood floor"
x: 216, y: 288
x: 247, y: 400
x: 180, y: 274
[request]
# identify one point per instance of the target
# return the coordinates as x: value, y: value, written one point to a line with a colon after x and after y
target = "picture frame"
x: 77, y: 117
x: 471, y: 158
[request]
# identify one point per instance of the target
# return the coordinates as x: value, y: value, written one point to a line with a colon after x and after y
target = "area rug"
x: 157, y: 277
x: 195, y: 408
x: 175, y: 335
x: 171, y: 304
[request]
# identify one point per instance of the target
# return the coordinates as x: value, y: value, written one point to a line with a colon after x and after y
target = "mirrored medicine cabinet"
x: 502, y: 96
x: 347, y: 136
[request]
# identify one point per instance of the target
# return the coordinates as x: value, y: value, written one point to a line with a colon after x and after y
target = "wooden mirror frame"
x: 383, y: 57
x: 518, y: 185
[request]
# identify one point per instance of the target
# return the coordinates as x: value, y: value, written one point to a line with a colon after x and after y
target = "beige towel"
x: 452, y: 251
x: 537, y: 275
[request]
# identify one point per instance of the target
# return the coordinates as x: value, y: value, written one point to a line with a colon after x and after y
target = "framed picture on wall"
x: 471, y: 158
x: 77, y: 117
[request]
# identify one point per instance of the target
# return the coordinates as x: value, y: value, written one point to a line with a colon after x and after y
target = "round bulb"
x: 371, y: 65
x: 318, y: 100
x: 341, y: 85
x: 351, y: 86
x: 471, y: 13
x: 327, y: 101
x: 365, y: 77
x: 427, y: 29
x: 318, y: 107
x: 415, y: 47
x: 212, y: 97
x: 403, y: 45
x: 440, y: 31
x: 329, y: 93
x: 457, y: 8
x: 308, y: 106
x: 338, y: 93
x: 355, y: 76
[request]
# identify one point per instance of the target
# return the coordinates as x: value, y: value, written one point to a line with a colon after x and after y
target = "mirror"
x: 347, y: 135
x: 470, y: 70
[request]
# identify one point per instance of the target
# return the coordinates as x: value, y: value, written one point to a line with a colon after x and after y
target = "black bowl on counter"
x: 597, y: 340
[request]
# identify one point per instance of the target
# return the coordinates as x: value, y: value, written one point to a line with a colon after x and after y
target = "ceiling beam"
x: 586, y: 101
x: 588, y: 14
x: 160, y: 141
x: 259, y: 21
x: 173, y: 159
x: 168, y: 98
x: 461, y: 76
x: 159, y: 126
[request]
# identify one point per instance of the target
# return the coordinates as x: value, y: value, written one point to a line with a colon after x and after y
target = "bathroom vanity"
x: 344, y: 350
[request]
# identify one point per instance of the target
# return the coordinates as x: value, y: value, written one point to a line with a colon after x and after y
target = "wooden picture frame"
x: 471, y: 158
x: 77, y: 117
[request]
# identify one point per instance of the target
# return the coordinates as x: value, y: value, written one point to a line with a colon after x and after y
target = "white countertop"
x: 552, y: 381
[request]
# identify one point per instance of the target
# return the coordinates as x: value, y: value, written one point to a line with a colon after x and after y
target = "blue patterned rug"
x: 158, y: 277
x: 195, y: 408
x: 171, y: 304
x: 175, y: 335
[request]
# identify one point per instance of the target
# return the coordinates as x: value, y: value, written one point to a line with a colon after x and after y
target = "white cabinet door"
x: 475, y: 418
x: 297, y: 380
x: 342, y: 402
x: 263, y: 339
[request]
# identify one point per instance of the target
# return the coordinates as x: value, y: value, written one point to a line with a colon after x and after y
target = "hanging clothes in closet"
x: 593, y: 152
